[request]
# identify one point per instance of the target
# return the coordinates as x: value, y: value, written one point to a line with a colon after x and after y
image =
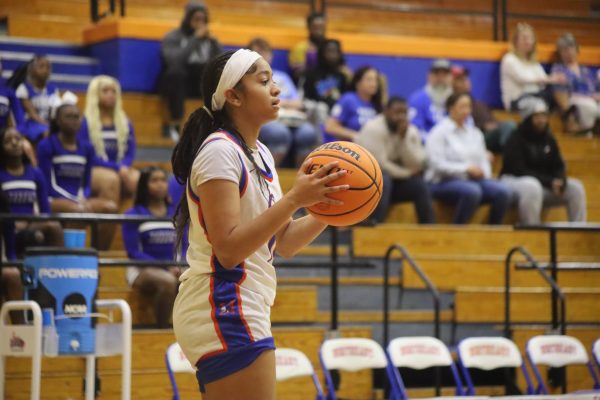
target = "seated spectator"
x: 325, y: 83
x: 521, y: 75
x: 109, y: 131
x: 459, y: 170
x: 185, y: 52
x: 11, y: 286
x: 362, y: 103
x: 37, y: 96
x: 11, y: 113
x: 291, y: 137
x: 496, y: 133
x: 427, y: 106
x: 66, y: 163
x: 396, y: 145
x: 153, y: 241
x: 534, y: 169
x: 25, y: 188
x: 581, y: 91
x: 303, y: 55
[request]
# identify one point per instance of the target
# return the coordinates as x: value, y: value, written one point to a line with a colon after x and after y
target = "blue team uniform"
x: 109, y: 136
x: 352, y: 112
x: 27, y: 193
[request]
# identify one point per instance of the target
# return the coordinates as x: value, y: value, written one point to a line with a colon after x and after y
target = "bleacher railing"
x: 435, y: 294
x: 558, y: 373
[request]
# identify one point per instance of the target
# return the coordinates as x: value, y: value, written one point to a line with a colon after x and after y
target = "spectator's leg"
x: 529, y: 194
x: 12, y: 288
x: 499, y: 196
x: 587, y: 110
x: 129, y: 180
x: 161, y: 286
x: 105, y: 231
x: 278, y: 138
x: 52, y: 231
x: 416, y: 190
x: 174, y: 89
x: 384, y: 204
x: 106, y: 184
x: 305, y: 140
x: 576, y: 200
x: 463, y: 194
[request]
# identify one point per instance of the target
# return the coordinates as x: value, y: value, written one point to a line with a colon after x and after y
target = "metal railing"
x: 435, y: 294
x: 551, y: 282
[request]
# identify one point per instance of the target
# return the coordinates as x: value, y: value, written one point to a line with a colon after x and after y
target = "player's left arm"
x: 297, y: 234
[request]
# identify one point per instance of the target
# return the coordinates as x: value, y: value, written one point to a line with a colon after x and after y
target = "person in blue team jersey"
x: 25, y: 189
x: 153, y: 241
x: 37, y: 96
x: 66, y: 163
x: 11, y: 112
x: 362, y: 103
x: 109, y: 131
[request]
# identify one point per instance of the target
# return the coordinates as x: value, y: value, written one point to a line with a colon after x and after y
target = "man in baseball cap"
x: 427, y: 106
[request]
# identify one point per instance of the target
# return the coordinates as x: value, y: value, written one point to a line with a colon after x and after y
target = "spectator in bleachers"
x: 291, y: 137
x: 106, y: 127
x: 185, y: 52
x: 11, y: 287
x: 534, y: 169
x: 357, y: 106
x: 153, y: 241
x: 66, y: 163
x: 303, y: 55
x: 581, y: 91
x: 25, y: 188
x: 11, y: 113
x: 37, y: 96
x: 325, y: 83
x: 521, y: 75
x: 397, y: 147
x: 427, y: 106
x: 496, y: 133
x: 459, y: 170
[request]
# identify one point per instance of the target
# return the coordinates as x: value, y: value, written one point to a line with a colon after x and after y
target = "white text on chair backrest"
x: 352, y: 354
x: 489, y: 353
x: 177, y: 360
x: 419, y: 352
x: 556, y: 350
x: 291, y: 363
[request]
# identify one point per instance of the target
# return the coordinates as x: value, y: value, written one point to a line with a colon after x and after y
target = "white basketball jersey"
x: 222, y: 157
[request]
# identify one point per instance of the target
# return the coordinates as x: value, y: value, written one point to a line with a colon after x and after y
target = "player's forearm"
x: 299, y: 233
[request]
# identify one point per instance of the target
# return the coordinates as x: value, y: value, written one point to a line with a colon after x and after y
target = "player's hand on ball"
x: 312, y: 188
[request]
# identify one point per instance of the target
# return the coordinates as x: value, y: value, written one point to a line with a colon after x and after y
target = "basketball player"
x: 238, y: 218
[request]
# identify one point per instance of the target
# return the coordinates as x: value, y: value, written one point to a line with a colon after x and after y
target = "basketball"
x: 364, y: 178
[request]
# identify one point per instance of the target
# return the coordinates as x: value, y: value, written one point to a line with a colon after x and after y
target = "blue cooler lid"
x: 63, y: 251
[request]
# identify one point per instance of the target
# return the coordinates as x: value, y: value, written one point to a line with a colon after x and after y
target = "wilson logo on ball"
x: 336, y: 146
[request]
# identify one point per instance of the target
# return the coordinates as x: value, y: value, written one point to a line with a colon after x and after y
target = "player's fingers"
x: 326, y: 169
x: 304, y: 167
x: 339, y: 188
x: 333, y: 176
x: 333, y: 202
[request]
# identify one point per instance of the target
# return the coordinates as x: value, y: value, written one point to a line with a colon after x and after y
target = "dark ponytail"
x: 197, y: 128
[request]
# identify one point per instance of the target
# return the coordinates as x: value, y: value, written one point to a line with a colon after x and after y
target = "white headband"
x: 235, y: 68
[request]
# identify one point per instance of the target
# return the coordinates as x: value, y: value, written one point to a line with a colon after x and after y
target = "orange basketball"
x: 364, y: 177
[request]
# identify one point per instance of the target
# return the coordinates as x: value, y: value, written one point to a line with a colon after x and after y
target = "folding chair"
x: 557, y: 351
x: 177, y: 362
x: 418, y: 352
x: 488, y: 353
x: 348, y: 354
x: 596, y: 352
x: 291, y: 363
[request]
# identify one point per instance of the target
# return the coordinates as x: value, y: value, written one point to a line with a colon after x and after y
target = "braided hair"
x: 200, y: 124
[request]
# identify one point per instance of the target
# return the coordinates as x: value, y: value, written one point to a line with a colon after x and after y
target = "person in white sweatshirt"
x: 459, y: 170
x: 396, y: 145
x: 521, y: 75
